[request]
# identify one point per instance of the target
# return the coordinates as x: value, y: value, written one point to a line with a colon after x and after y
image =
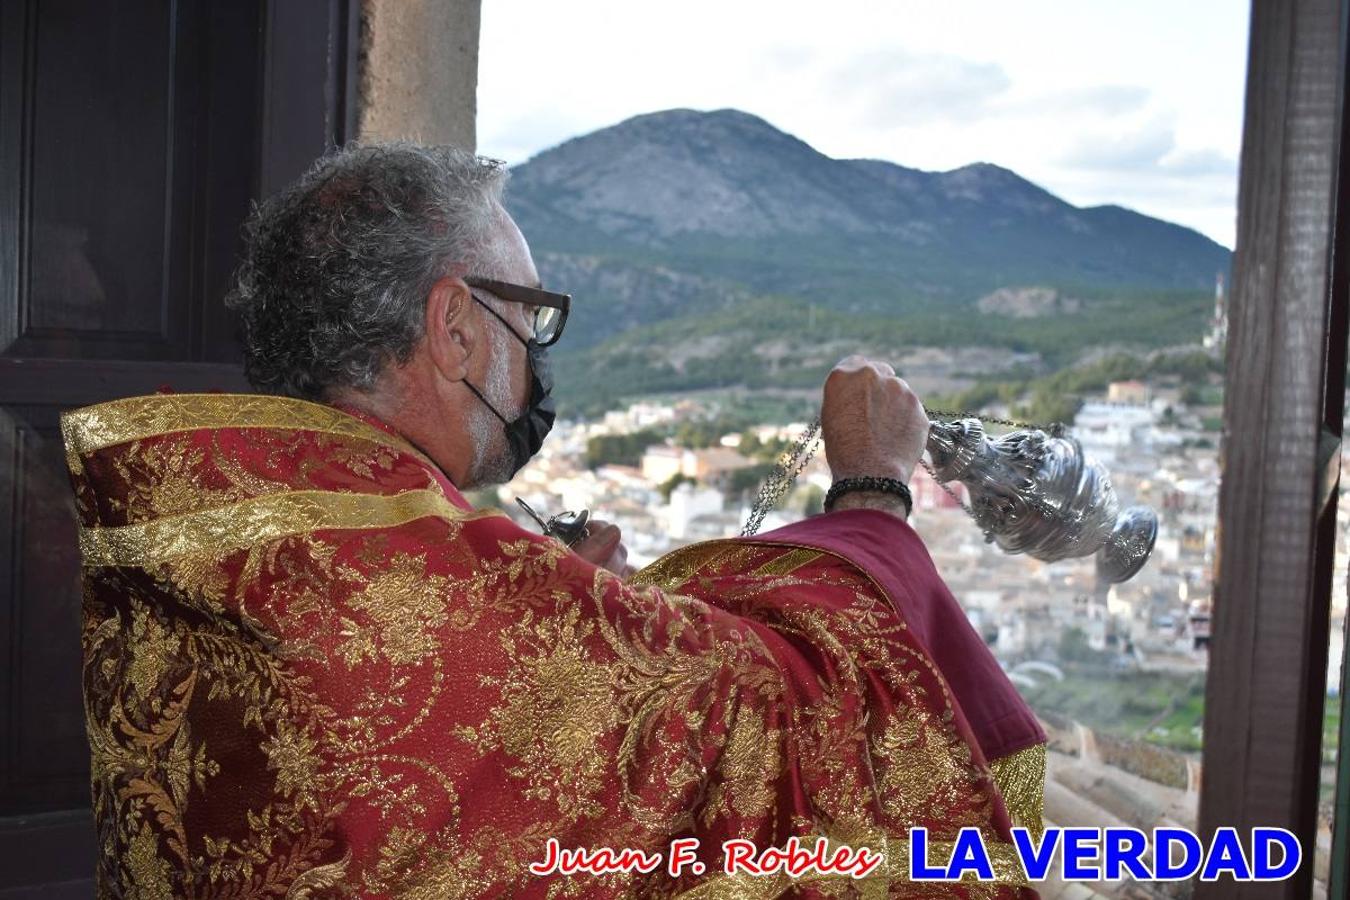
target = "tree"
x: 1048, y: 406
x: 620, y: 449
x: 810, y: 499
x: 748, y: 479
x: 670, y: 484
x: 1074, y: 647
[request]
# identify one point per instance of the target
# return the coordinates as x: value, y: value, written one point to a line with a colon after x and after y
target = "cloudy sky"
x: 1101, y: 101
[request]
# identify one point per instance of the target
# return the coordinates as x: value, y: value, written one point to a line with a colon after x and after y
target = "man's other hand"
x: 872, y: 423
x: 603, y: 546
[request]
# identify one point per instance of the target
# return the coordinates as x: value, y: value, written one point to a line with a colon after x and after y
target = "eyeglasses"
x: 550, y: 309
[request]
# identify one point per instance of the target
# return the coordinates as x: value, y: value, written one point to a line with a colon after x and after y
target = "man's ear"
x: 450, y: 328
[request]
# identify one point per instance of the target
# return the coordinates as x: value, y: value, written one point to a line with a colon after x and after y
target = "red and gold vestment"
x: 312, y: 670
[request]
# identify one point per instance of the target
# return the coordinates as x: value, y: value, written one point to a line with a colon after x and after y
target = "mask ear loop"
x: 479, y: 394
x: 505, y: 324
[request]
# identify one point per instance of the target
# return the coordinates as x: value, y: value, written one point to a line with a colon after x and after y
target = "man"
x: 312, y: 669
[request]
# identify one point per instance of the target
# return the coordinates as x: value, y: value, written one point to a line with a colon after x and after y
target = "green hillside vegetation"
x: 783, y: 343
x: 1057, y: 397
x: 728, y: 417
x: 1159, y: 708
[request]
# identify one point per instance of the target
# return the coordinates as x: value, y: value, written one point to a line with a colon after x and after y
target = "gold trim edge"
x: 261, y: 519
x: 92, y: 428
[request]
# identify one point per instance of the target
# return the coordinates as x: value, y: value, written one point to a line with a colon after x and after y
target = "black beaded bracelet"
x: 870, y: 483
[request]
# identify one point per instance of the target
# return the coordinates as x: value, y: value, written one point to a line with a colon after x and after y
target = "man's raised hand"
x: 872, y: 423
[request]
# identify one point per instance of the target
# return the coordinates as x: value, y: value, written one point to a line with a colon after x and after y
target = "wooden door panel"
x: 46, y: 763
x: 133, y: 138
x: 95, y: 216
x: 98, y: 163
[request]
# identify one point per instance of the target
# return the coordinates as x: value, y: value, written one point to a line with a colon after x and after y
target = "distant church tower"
x: 1218, y: 326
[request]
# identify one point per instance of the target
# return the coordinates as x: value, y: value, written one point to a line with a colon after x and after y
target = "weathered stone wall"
x: 419, y: 71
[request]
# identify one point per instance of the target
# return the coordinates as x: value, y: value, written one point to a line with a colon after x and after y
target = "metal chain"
x: 942, y: 484
x: 780, y: 480
x: 1054, y: 429
x: 796, y: 458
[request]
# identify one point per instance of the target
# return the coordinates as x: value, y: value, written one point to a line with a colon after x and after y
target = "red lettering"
x: 866, y: 862
x: 600, y: 861
x: 739, y: 856
x: 799, y: 860
x: 638, y: 860
x: 682, y: 853
x: 550, y: 861
x: 794, y: 859
x: 839, y: 860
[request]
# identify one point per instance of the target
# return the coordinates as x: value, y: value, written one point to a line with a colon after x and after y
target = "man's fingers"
x: 618, y: 560
x: 599, y: 543
x: 871, y: 419
x: 603, y: 546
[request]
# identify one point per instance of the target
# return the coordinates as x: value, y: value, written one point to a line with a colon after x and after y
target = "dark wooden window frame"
x: 279, y: 102
x: 1285, y: 388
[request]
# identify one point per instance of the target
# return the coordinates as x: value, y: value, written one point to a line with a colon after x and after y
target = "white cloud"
x: 902, y: 87
x: 1205, y: 161
x: 1133, y: 150
x: 1096, y: 100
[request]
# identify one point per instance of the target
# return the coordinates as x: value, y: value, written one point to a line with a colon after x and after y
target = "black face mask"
x: 525, y: 435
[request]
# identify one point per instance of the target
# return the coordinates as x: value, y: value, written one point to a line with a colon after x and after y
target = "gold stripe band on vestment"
x: 94, y: 428
x: 260, y: 519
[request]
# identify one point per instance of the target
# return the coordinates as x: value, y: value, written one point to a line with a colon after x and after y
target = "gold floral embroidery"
x: 163, y: 479
x: 405, y: 608
x: 458, y: 691
x: 919, y: 766
x: 1020, y: 778
x: 752, y: 764
x: 149, y: 871
x: 152, y: 647
x: 319, y: 879
x: 553, y: 707
x: 292, y: 753
x: 150, y: 768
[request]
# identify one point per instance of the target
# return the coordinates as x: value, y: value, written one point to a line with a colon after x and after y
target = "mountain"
x: 706, y: 225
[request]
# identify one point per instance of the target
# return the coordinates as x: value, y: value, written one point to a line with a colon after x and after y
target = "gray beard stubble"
x: 492, y: 461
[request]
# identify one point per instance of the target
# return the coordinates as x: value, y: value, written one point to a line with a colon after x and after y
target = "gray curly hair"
x: 337, y: 266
